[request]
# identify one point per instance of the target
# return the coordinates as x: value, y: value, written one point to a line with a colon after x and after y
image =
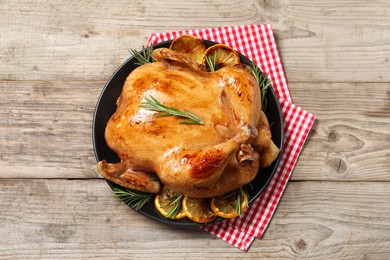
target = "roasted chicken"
x: 197, y: 160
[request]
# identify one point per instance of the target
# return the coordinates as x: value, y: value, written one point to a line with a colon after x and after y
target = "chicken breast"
x: 197, y: 160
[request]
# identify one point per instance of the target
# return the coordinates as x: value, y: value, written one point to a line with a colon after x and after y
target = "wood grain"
x: 47, y: 129
x: 331, y: 220
x: 351, y: 138
x: 81, y: 219
x: 318, y: 41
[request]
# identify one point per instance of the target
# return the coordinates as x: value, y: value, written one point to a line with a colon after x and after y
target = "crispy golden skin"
x: 199, y: 161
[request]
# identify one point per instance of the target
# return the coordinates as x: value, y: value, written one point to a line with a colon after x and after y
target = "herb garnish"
x: 263, y: 83
x: 134, y: 199
x: 239, y: 194
x: 152, y: 103
x: 176, y: 205
x: 144, y: 56
x: 211, y: 62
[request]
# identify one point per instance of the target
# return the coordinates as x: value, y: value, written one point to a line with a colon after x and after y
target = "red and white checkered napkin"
x: 258, y: 44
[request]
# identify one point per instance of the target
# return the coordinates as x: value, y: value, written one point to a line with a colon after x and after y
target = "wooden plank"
x: 330, y: 220
x: 323, y: 40
x: 351, y: 138
x: 46, y: 130
x: 45, y: 219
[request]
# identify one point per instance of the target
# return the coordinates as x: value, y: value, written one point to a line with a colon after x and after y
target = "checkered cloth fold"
x: 257, y: 42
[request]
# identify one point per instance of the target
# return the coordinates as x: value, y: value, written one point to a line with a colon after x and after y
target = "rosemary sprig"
x: 175, y: 204
x: 238, y: 203
x: 134, y: 199
x: 152, y: 103
x: 211, y: 62
x: 240, y: 196
x: 144, y: 56
x: 246, y: 188
x: 263, y: 82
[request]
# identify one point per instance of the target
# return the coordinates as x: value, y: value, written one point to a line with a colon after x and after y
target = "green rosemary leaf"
x: 144, y: 56
x: 176, y: 203
x: 152, y: 103
x: 238, y: 203
x: 263, y: 82
x: 235, y: 199
x: 239, y: 198
x: 245, y: 187
x: 134, y: 199
x: 211, y: 62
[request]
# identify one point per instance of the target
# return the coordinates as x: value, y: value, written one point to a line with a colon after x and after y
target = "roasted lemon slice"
x: 169, y: 204
x: 226, y: 206
x: 218, y: 56
x: 189, y: 45
x: 198, y: 210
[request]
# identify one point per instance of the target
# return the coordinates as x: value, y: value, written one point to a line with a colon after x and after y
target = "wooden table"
x: 55, y: 57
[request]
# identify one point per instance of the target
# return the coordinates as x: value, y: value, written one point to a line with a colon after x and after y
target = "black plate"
x: 106, y: 106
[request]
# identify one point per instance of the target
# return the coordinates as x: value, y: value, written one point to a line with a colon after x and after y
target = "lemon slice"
x: 226, y: 205
x: 198, y: 210
x: 218, y: 56
x: 190, y: 45
x: 169, y: 204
